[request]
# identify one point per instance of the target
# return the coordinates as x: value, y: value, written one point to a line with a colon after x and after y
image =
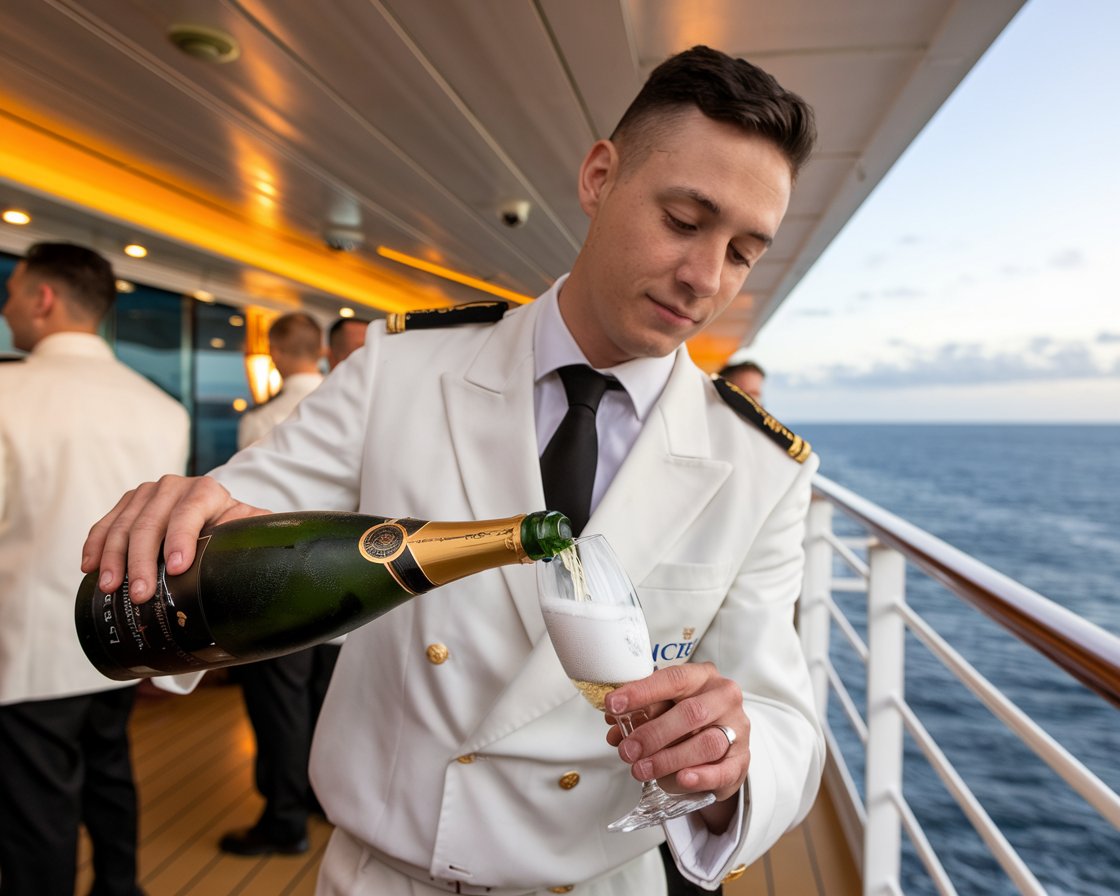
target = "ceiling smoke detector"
x: 205, y: 43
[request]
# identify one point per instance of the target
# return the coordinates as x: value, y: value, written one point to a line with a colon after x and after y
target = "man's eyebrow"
x: 706, y: 201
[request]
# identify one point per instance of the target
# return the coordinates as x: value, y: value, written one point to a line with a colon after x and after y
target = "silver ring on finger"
x: 729, y: 733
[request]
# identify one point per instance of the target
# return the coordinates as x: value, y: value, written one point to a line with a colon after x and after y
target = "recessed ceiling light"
x: 16, y: 216
x: 345, y: 312
x: 205, y: 43
x: 203, y: 296
x: 217, y: 342
x: 240, y: 404
x: 236, y: 320
x: 135, y: 250
x: 125, y: 286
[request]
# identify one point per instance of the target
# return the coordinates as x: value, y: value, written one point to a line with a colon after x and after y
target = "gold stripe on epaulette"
x: 749, y: 409
x: 450, y: 315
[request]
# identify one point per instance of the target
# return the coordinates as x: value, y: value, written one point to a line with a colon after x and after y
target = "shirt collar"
x: 554, y: 347
x: 73, y: 343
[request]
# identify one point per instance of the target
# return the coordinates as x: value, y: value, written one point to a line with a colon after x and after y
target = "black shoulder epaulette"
x: 5, y: 357
x: 469, y: 313
x: 751, y: 411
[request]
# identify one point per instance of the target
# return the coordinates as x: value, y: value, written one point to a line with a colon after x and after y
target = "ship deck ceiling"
x: 415, y: 121
x: 193, y: 760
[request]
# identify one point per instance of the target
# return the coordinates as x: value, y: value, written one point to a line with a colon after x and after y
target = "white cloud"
x: 958, y: 364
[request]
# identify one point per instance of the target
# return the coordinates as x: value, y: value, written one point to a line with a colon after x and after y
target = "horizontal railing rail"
x: 1087, y: 652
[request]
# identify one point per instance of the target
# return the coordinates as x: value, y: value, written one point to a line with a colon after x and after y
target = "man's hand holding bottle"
x: 171, y: 514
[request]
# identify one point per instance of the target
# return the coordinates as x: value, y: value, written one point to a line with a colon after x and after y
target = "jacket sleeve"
x: 753, y: 641
x: 313, y: 459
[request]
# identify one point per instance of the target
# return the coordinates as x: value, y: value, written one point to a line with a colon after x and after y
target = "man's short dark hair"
x: 725, y: 89
x: 298, y: 334
x: 742, y: 367
x: 342, y: 322
x: 89, y: 286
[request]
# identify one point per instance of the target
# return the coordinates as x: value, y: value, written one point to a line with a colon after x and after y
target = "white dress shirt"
x: 621, y: 412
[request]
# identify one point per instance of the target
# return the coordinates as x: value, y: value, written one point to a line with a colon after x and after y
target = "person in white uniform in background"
x: 453, y: 755
x: 76, y: 426
x: 346, y: 335
x: 283, y: 696
x: 295, y: 342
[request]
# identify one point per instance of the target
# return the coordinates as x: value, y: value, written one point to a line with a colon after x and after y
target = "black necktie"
x: 568, y: 463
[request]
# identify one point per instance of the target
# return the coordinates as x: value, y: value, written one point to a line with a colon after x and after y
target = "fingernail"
x: 688, y: 779
x: 106, y: 578
x: 630, y: 750
x: 616, y: 703
x: 644, y: 770
x: 139, y: 588
x: 176, y: 559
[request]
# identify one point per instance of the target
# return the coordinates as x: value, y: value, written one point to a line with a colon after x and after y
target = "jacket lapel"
x: 490, y: 419
x: 640, y: 519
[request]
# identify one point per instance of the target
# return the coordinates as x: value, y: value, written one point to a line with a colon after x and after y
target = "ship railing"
x: 874, y: 824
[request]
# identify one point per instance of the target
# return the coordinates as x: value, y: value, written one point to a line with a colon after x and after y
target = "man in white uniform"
x: 453, y: 755
x: 295, y: 342
x: 283, y: 695
x: 76, y: 426
x: 346, y: 335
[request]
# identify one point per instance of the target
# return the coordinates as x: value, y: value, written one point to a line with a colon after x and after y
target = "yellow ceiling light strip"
x: 42, y: 157
x: 455, y: 276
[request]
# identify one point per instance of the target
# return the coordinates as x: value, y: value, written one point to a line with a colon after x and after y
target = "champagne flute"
x: 598, y: 630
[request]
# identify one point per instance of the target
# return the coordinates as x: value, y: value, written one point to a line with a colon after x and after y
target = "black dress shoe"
x: 255, y: 842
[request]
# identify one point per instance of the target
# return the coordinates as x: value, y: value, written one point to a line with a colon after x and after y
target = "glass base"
x: 657, y: 806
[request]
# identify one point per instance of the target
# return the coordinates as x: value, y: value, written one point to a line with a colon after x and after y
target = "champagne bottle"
x: 268, y: 585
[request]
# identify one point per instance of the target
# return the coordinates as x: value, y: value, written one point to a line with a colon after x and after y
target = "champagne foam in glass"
x: 606, y: 643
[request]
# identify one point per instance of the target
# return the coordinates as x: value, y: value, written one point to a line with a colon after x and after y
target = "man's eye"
x: 737, y: 257
x: 677, y: 224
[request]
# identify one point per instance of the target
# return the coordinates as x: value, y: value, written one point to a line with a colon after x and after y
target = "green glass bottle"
x: 268, y: 585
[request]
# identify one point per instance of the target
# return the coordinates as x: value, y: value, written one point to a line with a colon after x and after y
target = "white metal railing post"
x: 813, y: 618
x: 886, y: 633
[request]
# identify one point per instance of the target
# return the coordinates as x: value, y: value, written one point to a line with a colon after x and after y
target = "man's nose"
x: 701, y: 269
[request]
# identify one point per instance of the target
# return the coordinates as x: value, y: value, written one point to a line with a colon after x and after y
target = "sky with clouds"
x: 977, y: 283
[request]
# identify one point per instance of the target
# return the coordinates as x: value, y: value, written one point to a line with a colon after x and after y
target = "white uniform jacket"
x: 465, y: 767
x: 257, y: 422
x: 77, y: 430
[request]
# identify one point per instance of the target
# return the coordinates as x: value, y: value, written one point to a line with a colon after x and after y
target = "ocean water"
x: 1040, y: 504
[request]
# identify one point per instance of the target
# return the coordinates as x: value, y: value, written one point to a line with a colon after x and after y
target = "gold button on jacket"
x: 568, y: 780
x: 437, y: 653
x: 466, y: 759
x: 566, y: 889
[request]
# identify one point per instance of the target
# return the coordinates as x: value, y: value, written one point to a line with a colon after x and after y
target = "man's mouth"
x: 680, y: 316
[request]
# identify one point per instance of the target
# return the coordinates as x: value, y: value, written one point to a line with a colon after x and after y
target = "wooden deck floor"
x: 194, y: 768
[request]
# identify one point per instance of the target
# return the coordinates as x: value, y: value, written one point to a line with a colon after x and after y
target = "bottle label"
x: 421, y: 555
x: 389, y: 544
x: 166, y: 634
x: 383, y: 543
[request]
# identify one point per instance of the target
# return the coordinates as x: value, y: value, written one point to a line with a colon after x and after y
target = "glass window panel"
x: 7, y: 265
x: 219, y: 350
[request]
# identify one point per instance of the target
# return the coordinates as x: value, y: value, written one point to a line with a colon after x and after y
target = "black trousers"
x: 677, y: 884
x: 283, y: 698
x: 63, y: 763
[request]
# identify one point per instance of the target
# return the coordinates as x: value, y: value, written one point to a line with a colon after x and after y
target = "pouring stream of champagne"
x: 570, y: 558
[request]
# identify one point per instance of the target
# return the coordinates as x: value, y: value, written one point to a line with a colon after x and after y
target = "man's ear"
x: 47, y: 299
x: 596, y: 175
